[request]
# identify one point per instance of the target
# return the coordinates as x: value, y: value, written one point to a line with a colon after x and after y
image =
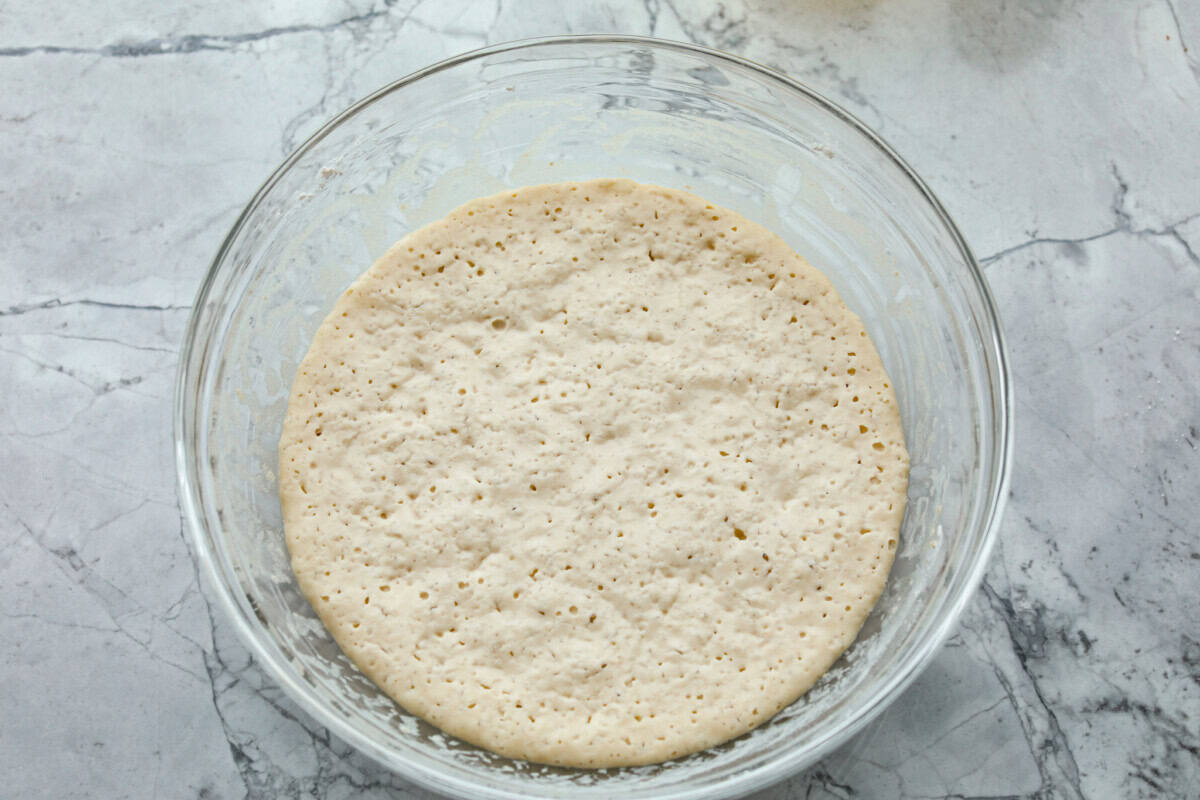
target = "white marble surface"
x: 1063, y: 135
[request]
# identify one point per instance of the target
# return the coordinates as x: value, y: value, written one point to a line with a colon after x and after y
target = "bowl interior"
x: 562, y: 110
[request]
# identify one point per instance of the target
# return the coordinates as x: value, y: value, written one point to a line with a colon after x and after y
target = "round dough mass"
x: 592, y: 474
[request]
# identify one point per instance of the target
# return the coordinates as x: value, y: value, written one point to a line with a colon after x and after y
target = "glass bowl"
x: 564, y: 109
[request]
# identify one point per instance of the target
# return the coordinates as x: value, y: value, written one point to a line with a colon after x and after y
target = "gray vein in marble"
x: 1051, y: 750
x: 720, y: 29
x: 113, y: 600
x: 107, y: 340
x: 55, y: 303
x: 1124, y: 225
x: 653, y: 8
x: 198, y: 42
x: 98, y: 390
x: 725, y: 30
x: 217, y: 671
x: 303, y: 123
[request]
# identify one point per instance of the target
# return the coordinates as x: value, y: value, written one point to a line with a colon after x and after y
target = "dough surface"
x: 592, y: 474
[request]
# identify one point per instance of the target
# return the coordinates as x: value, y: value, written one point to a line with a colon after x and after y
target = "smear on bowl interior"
x: 592, y: 474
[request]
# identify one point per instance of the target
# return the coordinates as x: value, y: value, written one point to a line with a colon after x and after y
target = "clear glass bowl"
x: 567, y: 109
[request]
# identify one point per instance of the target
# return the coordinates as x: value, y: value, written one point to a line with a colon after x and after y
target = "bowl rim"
x: 193, y: 367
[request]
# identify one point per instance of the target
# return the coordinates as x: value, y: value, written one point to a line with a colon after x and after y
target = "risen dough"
x: 592, y: 474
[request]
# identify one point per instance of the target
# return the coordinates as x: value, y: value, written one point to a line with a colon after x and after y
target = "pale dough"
x: 592, y: 474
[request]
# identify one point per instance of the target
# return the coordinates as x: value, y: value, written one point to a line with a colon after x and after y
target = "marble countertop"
x: 1062, y: 135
